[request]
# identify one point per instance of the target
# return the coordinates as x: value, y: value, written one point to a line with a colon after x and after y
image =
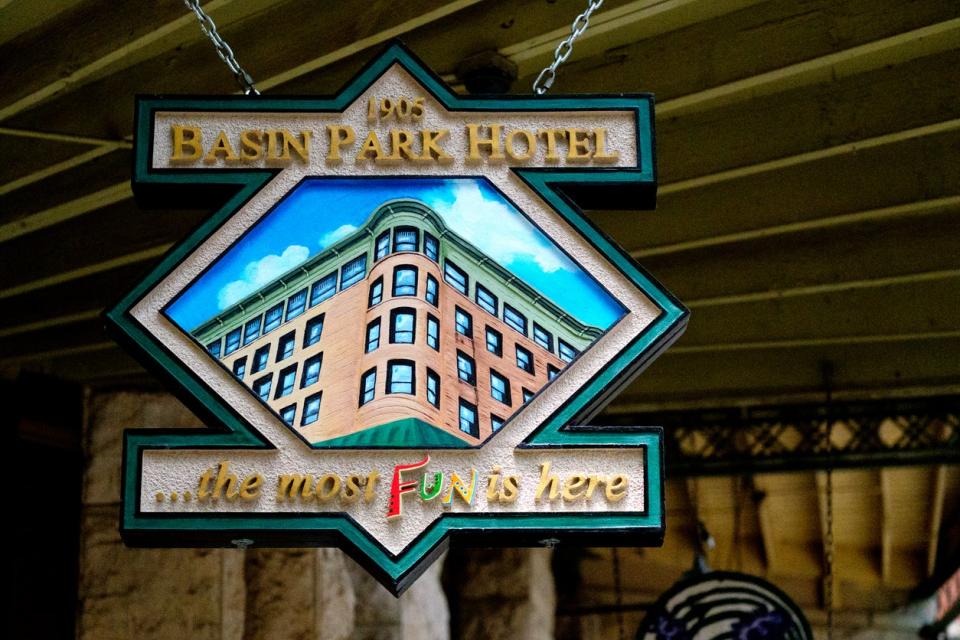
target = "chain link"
x: 546, y: 78
x: 209, y: 29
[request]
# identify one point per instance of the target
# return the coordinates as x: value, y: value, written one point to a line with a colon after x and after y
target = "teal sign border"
x: 560, y: 188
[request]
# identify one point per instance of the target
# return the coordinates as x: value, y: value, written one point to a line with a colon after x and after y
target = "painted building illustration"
x: 401, y: 334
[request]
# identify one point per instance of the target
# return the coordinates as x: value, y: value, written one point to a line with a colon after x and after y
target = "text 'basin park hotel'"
x: 452, y: 343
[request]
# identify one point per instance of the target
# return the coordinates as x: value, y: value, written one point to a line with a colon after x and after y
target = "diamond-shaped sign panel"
x: 396, y: 322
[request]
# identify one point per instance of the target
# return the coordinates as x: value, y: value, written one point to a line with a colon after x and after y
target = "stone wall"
x: 222, y: 594
x: 285, y: 594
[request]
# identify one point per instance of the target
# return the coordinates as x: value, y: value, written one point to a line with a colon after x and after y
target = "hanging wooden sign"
x: 396, y: 322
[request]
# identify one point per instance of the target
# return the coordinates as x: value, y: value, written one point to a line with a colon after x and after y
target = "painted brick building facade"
x: 450, y: 343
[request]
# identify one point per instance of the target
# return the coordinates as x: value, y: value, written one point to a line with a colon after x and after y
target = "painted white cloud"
x: 260, y: 272
x: 497, y: 230
x: 339, y: 233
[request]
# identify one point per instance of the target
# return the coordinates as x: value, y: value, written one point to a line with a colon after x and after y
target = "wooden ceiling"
x: 809, y: 157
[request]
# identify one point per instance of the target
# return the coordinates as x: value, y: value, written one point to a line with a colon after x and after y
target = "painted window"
x: 405, y: 280
x: 464, y: 322
x: 552, y: 372
x: 285, y: 346
x: 433, y: 290
x: 232, y: 342
x: 213, y: 348
x: 368, y: 385
x: 466, y: 368
x: 311, y: 370
x: 376, y: 292
x: 383, y: 245
x: 296, y: 304
x: 494, y: 342
x: 431, y: 247
x: 500, y: 388
x: 406, y: 239
x: 373, y: 336
x: 455, y: 277
x: 240, y: 367
x: 468, y: 418
x: 311, y: 409
x: 323, y: 289
x: 262, y: 387
x: 433, y: 388
x: 272, y: 318
x: 496, y: 422
x: 567, y: 352
x: 514, y: 319
x: 524, y: 359
x: 353, y: 272
x: 287, y: 414
x: 486, y: 299
x: 433, y: 332
x: 527, y: 395
x: 401, y: 377
x: 403, y: 325
x: 543, y: 337
x: 251, y: 330
x: 313, y: 331
x: 285, y: 384
x: 260, y: 358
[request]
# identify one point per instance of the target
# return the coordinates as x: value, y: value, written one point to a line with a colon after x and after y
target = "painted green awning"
x: 409, y: 432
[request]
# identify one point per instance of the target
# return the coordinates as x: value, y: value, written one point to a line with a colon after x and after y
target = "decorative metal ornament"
x: 396, y: 322
x: 724, y: 604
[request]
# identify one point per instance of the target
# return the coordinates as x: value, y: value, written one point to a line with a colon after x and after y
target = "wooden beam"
x: 92, y: 42
x: 936, y: 516
x: 54, y: 169
x: 59, y: 353
x: 874, y: 55
x: 821, y: 289
x: 65, y: 137
x: 82, y: 272
x: 46, y: 323
x: 910, y: 209
x: 810, y: 156
x: 612, y: 28
x: 65, y: 211
x: 811, y: 342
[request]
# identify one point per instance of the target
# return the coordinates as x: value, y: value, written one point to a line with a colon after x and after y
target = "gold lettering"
x: 290, y: 485
x: 181, y: 142
x: 221, y: 146
x: 251, y: 148
x: 371, y: 483
x: 370, y: 145
x: 530, y: 141
x: 250, y: 487
x: 601, y: 154
x: 431, y: 146
x: 493, y: 142
x: 546, y: 478
x: 325, y: 493
x: 578, y: 145
x: 616, y: 488
x: 351, y: 489
x: 339, y: 136
x: 550, y: 136
x: 572, y: 486
x: 299, y: 146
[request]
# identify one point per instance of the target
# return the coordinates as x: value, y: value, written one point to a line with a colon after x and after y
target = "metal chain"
x: 209, y: 29
x: 545, y: 80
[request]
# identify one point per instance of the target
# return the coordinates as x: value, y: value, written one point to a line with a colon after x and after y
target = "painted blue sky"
x: 322, y: 211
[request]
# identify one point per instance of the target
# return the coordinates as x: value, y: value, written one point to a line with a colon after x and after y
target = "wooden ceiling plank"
x: 890, y: 51
x: 46, y: 323
x: 909, y: 209
x: 66, y: 137
x: 820, y: 289
x: 811, y: 342
x: 53, y: 169
x: 66, y: 211
x: 936, y: 516
x: 59, y: 353
x: 82, y: 272
x: 888, y: 513
x: 53, y: 81
x: 859, y: 146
